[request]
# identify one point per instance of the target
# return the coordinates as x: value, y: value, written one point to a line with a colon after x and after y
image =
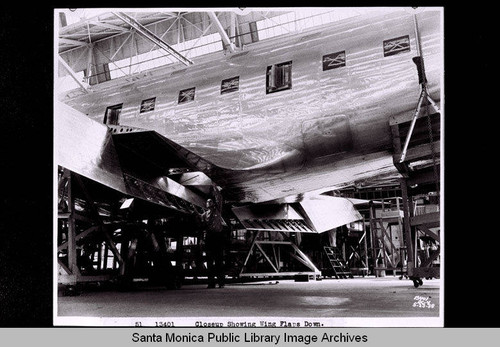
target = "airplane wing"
x: 144, y: 164
x: 138, y: 168
x: 130, y: 159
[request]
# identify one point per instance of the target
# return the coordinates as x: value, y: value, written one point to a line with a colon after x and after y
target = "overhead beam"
x: 142, y: 30
x: 222, y: 32
x: 429, y: 220
x: 82, y: 85
x: 72, y: 42
x: 109, y: 26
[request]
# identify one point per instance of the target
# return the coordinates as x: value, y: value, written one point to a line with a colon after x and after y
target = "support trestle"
x: 98, y: 241
x: 277, y: 257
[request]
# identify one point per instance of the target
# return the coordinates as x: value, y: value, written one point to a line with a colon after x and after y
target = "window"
x: 396, y: 46
x: 253, y: 31
x: 147, y: 105
x: 333, y: 60
x: 247, y: 33
x: 230, y: 85
x: 186, y: 95
x: 279, y: 77
x: 98, y: 74
x: 112, y: 114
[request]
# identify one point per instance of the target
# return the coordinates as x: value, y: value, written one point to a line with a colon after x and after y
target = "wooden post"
x: 99, y: 257
x: 124, y: 251
x: 407, y: 227
x: 115, y: 251
x: 179, y: 254
x: 393, y: 249
x: 105, y: 260
x: 72, y: 264
x: 372, y: 238
x: 365, y: 243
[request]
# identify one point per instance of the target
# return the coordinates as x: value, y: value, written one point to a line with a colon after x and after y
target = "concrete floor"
x: 384, y: 298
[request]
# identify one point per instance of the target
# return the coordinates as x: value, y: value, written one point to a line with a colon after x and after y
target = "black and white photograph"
x: 248, y: 167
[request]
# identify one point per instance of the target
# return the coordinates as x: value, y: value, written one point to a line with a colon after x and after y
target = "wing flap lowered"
x: 311, y: 215
x: 328, y: 212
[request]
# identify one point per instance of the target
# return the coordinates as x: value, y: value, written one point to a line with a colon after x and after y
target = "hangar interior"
x: 150, y: 234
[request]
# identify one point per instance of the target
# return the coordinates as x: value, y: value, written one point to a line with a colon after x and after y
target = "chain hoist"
x: 433, y: 152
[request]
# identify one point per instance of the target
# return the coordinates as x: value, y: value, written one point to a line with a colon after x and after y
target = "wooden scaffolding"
x: 386, y: 231
x: 416, y: 143
x: 100, y: 239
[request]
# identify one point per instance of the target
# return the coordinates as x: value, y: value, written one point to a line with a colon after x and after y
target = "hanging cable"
x: 419, y: 61
x: 433, y: 151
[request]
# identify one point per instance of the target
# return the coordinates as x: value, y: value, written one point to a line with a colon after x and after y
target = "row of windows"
x: 278, y: 78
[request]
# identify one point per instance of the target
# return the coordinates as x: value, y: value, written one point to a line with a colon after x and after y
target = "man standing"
x: 214, y: 242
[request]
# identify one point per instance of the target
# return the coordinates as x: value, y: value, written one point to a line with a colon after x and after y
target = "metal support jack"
x: 424, y: 94
x: 419, y: 166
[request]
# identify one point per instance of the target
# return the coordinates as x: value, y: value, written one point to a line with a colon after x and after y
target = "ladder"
x: 340, y: 269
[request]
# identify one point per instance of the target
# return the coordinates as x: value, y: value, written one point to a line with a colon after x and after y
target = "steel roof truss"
x: 222, y: 32
x: 152, y: 37
x: 83, y: 85
x: 109, y: 26
x: 72, y: 42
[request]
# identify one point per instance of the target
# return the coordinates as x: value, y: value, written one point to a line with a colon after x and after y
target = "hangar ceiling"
x: 113, y: 43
